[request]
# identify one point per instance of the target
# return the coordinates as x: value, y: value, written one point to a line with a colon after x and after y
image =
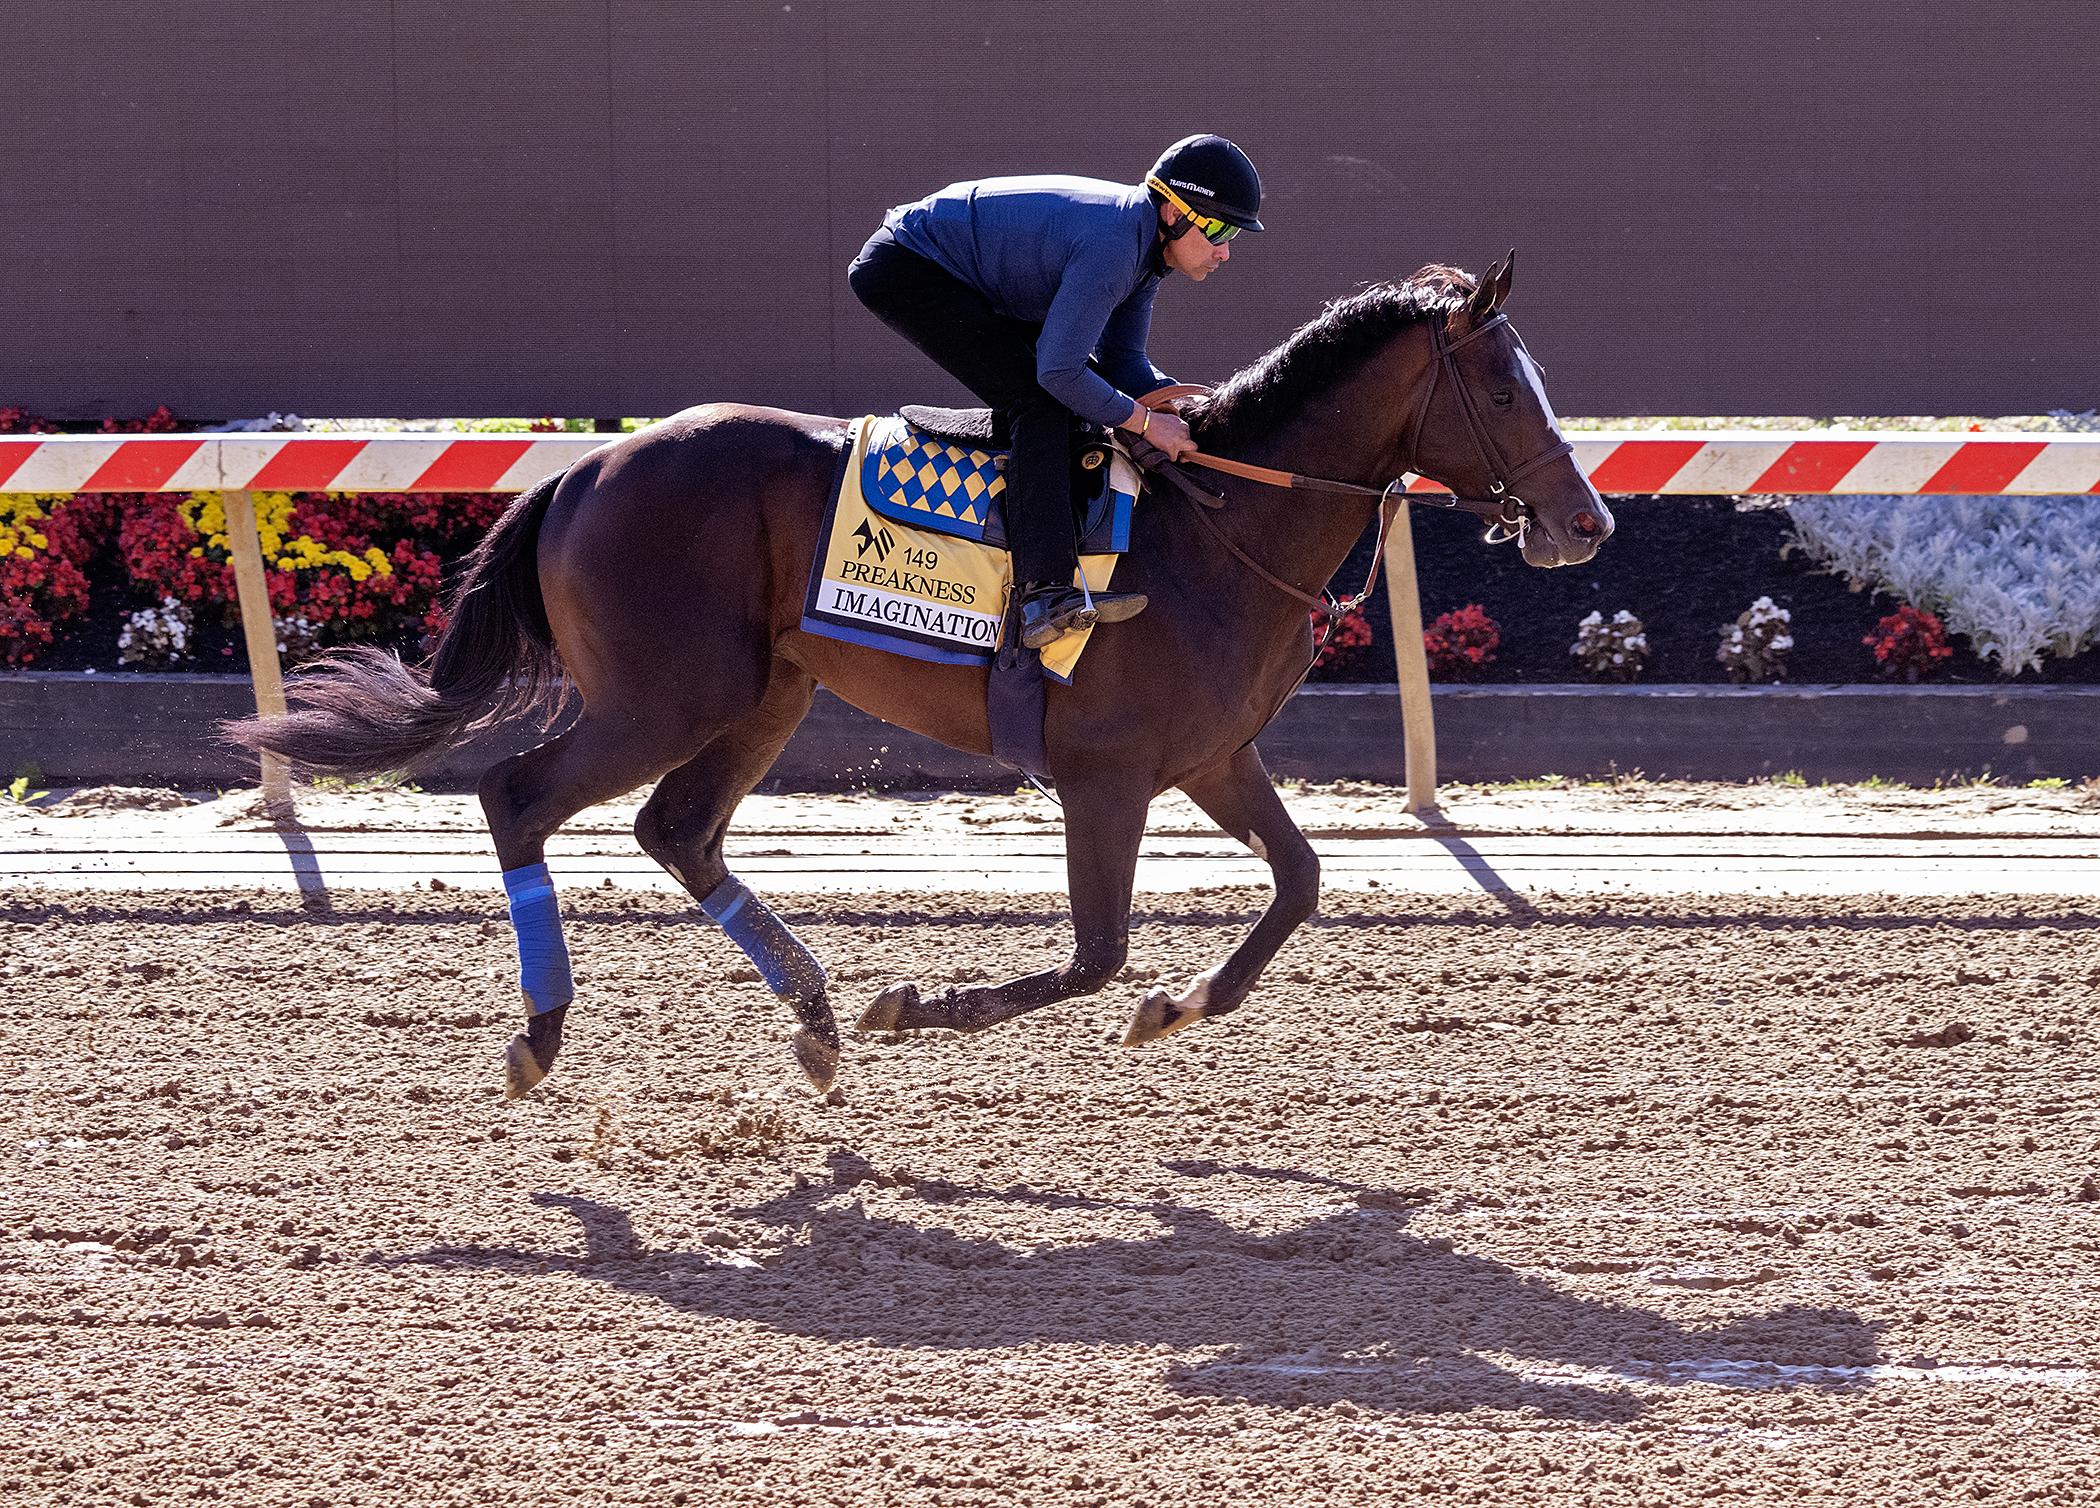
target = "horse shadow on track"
x: 1349, y: 1306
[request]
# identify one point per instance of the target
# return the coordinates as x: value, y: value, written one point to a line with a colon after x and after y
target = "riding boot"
x: 1041, y: 528
x: 1050, y: 610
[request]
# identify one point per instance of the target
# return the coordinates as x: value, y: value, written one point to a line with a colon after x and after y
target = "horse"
x: 661, y: 580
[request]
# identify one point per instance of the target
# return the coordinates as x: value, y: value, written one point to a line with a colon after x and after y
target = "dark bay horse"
x: 662, y: 577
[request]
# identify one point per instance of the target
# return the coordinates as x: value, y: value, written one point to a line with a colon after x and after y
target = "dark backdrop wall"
x: 617, y: 207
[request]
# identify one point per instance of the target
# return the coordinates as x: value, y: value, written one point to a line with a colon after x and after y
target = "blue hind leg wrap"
x: 543, y: 958
x: 788, y: 968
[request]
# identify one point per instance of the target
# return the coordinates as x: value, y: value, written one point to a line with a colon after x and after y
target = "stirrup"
x: 1055, y: 624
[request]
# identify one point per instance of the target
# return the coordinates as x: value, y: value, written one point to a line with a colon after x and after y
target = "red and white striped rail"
x: 1617, y: 461
x: 286, y: 462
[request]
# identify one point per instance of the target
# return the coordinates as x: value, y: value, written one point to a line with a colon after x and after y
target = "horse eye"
x: 1504, y: 398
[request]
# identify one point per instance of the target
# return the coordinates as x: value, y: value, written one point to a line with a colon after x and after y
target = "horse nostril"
x: 1587, y: 524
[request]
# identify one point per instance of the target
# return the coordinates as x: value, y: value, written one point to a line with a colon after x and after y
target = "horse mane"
x: 1258, y: 398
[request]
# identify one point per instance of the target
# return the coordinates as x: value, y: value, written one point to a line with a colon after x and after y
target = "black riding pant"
x: 993, y: 356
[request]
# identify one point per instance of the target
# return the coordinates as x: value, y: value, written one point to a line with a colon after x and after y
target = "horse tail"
x: 361, y: 711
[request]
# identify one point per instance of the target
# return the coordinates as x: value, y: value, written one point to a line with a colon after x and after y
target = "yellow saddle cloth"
x: 930, y: 590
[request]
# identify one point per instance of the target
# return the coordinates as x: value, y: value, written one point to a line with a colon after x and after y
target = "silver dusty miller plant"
x: 159, y: 634
x: 298, y: 639
x: 2019, y: 577
x: 1612, y: 651
x: 1754, y: 648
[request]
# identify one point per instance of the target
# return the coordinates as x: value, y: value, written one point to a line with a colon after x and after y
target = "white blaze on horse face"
x: 1528, y: 371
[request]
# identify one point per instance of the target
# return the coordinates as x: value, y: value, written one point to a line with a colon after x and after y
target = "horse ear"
x: 1482, y: 303
x: 1502, y: 276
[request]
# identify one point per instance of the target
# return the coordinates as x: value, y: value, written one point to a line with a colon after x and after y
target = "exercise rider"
x: 1036, y: 294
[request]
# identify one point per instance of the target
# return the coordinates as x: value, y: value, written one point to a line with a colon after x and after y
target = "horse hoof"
x: 530, y: 1056
x: 886, y: 1013
x: 522, y: 1068
x: 1162, y: 1015
x: 818, y: 1059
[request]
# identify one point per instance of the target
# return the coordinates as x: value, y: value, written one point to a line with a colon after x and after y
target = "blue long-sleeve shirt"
x: 1075, y: 255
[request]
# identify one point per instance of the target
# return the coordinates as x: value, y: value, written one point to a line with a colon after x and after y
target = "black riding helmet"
x: 1213, y: 177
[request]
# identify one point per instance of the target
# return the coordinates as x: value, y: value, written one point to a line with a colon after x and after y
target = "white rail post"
x: 259, y: 628
x: 1411, y: 662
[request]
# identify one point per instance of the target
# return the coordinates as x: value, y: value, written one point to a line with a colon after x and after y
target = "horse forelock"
x: 1321, y: 352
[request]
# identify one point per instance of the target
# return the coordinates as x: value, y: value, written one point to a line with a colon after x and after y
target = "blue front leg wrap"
x: 543, y: 958
x: 787, y: 967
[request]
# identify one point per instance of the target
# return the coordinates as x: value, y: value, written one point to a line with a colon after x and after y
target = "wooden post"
x: 1412, y: 662
x: 259, y: 628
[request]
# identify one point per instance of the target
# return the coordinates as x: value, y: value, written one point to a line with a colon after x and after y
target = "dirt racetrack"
x: 1494, y: 1199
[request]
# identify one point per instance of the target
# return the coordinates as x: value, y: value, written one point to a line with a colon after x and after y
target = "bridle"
x: 1504, y: 510
x: 1508, y: 516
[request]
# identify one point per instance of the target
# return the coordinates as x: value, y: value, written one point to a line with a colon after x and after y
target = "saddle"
x: 920, y: 479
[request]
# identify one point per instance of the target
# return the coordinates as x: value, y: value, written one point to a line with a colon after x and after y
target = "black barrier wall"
x: 618, y: 207
x: 73, y: 730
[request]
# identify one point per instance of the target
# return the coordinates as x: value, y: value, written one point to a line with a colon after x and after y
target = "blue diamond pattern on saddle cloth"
x: 917, y: 479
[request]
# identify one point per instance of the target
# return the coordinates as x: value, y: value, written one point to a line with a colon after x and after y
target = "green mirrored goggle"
x: 1217, y: 232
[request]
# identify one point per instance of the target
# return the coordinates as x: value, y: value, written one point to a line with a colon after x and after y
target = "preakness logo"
x: 878, y: 539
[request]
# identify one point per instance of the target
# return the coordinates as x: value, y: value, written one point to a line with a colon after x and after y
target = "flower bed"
x: 47, y: 548
x: 1688, y: 570
x: 103, y: 580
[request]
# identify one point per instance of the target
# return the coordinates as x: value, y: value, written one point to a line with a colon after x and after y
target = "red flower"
x: 1908, y: 644
x: 160, y: 422
x: 15, y: 419
x: 41, y: 592
x: 1461, y: 644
